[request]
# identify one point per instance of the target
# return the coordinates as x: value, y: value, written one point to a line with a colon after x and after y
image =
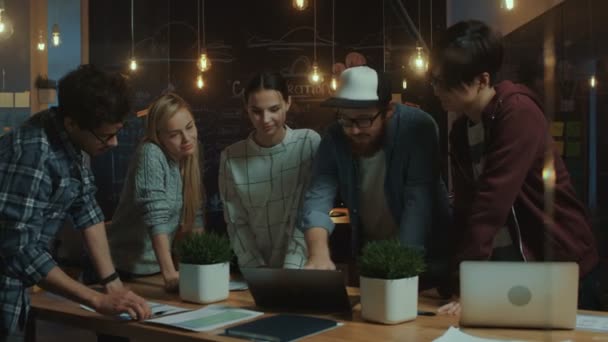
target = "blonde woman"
x: 162, y: 193
x: 262, y: 179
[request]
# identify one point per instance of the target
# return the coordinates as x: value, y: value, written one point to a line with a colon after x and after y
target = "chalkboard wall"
x: 242, y: 37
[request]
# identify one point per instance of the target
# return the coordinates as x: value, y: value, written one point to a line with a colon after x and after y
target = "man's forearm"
x: 60, y: 283
x: 316, y: 241
x: 97, y: 243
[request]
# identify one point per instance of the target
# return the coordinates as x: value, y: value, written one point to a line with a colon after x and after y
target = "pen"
x: 426, y: 313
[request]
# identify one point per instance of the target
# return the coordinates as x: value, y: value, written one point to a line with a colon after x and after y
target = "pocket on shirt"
x: 62, y: 198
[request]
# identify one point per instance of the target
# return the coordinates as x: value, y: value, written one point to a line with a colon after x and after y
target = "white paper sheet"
x: 236, y: 285
x: 158, y: 309
x: 455, y: 335
x: 592, y: 322
x: 206, y: 319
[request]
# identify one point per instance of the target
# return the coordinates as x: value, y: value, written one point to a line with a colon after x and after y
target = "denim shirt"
x: 414, y: 190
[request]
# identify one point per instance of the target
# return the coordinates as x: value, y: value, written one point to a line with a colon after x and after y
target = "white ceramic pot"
x: 204, y: 283
x: 389, y: 301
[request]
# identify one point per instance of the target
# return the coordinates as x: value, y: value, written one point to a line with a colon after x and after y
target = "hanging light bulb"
x: 418, y: 61
x: 315, y: 77
x: 404, y: 83
x: 56, y: 35
x: 508, y: 4
x: 200, y: 83
x: 6, y: 27
x: 133, y: 64
x: 204, y: 63
x: 592, y: 81
x: 41, y: 43
x: 300, y: 5
x: 334, y: 83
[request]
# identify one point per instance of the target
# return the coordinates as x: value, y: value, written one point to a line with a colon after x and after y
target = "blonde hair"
x: 159, y: 113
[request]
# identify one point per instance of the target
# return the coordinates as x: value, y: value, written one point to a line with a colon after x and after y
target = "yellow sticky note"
x: 22, y: 100
x: 7, y: 100
x: 557, y: 129
x: 573, y: 129
x: 559, y: 146
x: 573, y: 149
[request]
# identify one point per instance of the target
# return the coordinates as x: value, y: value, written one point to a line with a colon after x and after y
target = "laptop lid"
x: 296, y: 289
x: 519, y: 294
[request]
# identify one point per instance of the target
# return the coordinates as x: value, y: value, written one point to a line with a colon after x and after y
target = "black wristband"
x: 108, y: 279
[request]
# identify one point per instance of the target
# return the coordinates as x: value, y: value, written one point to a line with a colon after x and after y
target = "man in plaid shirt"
x: 45, y: 181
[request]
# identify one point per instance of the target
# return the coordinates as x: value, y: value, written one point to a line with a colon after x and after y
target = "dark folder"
x: 281, y: 328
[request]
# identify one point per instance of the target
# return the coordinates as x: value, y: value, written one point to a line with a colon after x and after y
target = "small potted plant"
x: 389, y: 281
x: 47, y: 89
x: 204, y: 267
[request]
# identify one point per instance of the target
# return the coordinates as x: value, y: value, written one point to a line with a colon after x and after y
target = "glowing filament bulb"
x: 2, y: 25
x: 199, y: 82
x: 133, y: 64
x: 334, y: 83
x: 418, y: 61
x: 56, y: 35
x: 592, y: 81
x: 300, y: 5
x: 315, y: 77
x: 404, y: 84
x: 204, y: 63
x: 41, y: 44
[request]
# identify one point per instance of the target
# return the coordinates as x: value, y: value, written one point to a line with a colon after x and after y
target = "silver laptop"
x: 298, y: 290
x: 519, y: 294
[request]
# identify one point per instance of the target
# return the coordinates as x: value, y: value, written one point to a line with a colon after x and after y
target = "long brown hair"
x: 159, y: 113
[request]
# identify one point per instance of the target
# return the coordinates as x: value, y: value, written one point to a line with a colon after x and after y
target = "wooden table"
x: 56, y: 309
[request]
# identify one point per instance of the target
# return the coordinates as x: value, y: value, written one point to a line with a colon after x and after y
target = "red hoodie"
x: 516, y: 136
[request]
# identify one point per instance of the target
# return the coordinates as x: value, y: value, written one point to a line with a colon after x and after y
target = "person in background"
x: 262, y: 179
x: 384, y: 160
x: 500, y: 147
x: 44, y: 181
x: 162, y: 195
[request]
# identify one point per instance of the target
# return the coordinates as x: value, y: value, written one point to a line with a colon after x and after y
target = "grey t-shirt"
x: 378, y: 222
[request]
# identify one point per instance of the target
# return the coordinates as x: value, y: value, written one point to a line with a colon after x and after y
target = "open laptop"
x: 519, y: 294
x: 299, y: 290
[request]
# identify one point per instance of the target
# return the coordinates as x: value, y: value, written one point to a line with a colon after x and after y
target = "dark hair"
x: 467, y: 49
x: 267, y: 81
x: 92, y: 97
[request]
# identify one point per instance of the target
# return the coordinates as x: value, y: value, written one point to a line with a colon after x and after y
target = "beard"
x: 364, y: 145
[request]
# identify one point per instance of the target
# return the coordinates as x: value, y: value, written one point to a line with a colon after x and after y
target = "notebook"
x: 519, y: 294
x: 282, y: 328
x: 298, y: 290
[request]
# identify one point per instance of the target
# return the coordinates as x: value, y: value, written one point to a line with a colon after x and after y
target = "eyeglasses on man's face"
x: 103, y: 140
x: 359, y: 122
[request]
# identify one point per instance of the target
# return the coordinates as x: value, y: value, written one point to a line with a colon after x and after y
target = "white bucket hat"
x: 360, y: 87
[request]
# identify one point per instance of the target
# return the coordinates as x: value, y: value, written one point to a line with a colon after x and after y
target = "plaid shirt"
x: 43, y: 182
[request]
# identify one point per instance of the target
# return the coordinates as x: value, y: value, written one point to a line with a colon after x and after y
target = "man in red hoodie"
x: 498, y: 150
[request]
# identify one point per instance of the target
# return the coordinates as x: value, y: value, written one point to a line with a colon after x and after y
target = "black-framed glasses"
x: 359, y: 122
x: 103, y: 141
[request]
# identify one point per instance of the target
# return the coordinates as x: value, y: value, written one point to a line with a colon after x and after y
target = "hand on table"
x: 122, y: 300
x: 452, y: 308
x: 319, y: 263
x: 171, y: 282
